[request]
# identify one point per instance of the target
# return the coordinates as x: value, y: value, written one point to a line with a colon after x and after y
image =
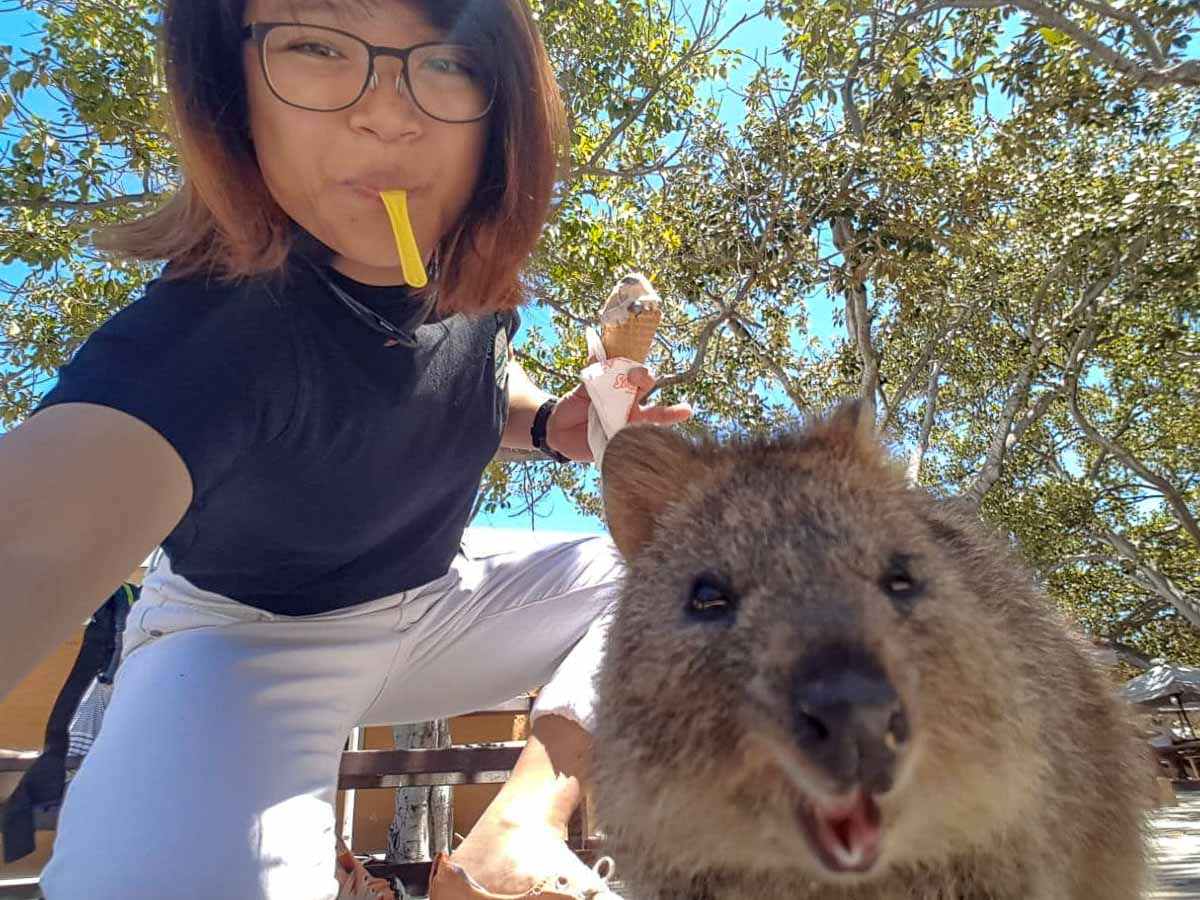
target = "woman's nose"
x: 387, y: 107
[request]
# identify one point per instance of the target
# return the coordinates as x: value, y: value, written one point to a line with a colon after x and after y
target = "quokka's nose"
x: 847, y: 717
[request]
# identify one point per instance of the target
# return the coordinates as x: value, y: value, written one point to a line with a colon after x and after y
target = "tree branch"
x: 858, y: 317
x: 86, y: 205
x: 1141, y: 616
x: 1034, y: 413
x: 659, y: 168
x: 1140, y: 31
x: 697, y: 49
x: 1077, y: 559
x: 1150, y: 578
x: 850, y: 105
x: 1124, y: 652
x: 1122, y: 454
x: 948, y: 330
x: 1186, y: 73
x: 1002, y: 438
x: 1111, y: 446
x: 771, y: 363
x: 1009, y: 430
x: 931, y: 393
x: 693, y: 370
x: 566, y: 311
x: 526, y: 359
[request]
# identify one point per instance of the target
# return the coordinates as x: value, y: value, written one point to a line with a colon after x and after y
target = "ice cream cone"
x: 632, y: 338
x: 630, y: 319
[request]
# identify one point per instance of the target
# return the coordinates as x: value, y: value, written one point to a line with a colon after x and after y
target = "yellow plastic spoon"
x: 396, y: 203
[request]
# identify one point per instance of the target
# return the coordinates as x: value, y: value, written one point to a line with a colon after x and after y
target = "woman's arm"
x: 524, y: 399
x: 86, y: 493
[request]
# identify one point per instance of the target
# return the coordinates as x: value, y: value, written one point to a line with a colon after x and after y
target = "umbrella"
x: 1180, y: 683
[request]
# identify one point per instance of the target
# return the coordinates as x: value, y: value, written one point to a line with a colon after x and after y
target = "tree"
x: 84, y: 146
x: 996, y: 210
x: 1079, y: 234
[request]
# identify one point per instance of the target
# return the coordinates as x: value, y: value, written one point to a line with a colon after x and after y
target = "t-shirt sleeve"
x: 512, y: 324
x: 211, y: 368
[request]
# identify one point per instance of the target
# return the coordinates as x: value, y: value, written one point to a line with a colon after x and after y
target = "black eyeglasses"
x: 326, y: 69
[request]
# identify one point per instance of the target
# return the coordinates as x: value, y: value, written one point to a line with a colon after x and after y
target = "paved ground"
x: 1177, y: 834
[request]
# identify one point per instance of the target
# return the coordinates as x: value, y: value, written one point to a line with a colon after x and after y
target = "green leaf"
x: 1054, y: 37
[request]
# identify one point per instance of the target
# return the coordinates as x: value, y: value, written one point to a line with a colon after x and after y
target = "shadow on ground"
x: 1177, y: 839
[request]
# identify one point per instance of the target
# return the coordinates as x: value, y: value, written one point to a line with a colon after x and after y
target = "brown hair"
x: 223, y: 220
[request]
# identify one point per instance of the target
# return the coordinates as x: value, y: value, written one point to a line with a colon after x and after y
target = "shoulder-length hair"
x: 223, y: 221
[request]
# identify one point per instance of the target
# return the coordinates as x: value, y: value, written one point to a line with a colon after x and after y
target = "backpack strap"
x: 44, y: 783
x: 125, y: 597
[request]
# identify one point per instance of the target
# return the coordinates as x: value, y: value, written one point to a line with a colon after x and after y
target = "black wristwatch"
x: 538, y: 431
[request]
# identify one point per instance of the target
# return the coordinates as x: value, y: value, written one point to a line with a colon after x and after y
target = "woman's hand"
x: 566, y: 430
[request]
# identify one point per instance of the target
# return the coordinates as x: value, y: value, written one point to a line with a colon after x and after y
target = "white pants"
x: 213, y: 776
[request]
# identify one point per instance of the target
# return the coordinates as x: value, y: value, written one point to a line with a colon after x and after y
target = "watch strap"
x: 537, y: 431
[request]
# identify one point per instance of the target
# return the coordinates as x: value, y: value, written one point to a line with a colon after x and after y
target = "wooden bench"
x: 490, y: 763
x: 379, y: 769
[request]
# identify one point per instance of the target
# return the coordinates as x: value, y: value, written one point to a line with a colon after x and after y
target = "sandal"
x: 448, y: 881
x: 356, y: 883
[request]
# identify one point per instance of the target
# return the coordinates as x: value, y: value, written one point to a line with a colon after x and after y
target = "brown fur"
x: 1022, y: 778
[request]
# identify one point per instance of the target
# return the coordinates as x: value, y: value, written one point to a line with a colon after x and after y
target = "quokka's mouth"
x: 845, y: 835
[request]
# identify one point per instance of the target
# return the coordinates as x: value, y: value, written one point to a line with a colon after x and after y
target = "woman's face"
x: 325, y: 169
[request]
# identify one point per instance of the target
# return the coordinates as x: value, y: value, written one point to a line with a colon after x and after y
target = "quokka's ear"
x: 849, y: 433
x: 645, y: 467
x: 853, y: 420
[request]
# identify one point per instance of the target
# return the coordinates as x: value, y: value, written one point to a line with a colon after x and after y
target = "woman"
x: 305, y: 436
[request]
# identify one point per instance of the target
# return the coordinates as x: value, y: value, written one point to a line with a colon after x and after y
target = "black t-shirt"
x: 327, y: 468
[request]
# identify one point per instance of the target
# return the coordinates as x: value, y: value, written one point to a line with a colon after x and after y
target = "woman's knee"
x: 204, y: 811
x: 600, y: 563
x: 286, y: 854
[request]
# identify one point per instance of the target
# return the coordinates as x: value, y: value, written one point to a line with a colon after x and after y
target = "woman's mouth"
x: 365, y: 192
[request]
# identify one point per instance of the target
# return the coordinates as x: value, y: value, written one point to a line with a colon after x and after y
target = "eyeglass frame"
x: 258, y: 32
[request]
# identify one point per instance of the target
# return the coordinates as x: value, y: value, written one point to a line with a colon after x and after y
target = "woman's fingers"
x: 661, y: 415
x: 644, y: 381
x: 641, y: 378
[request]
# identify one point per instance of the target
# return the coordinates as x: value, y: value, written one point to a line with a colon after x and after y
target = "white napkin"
x: 613, y: 396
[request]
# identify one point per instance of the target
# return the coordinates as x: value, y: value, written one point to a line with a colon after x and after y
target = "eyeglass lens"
x: 321, y: 69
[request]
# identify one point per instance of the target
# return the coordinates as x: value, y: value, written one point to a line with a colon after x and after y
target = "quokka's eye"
x: 710, y: 599
x: 899, y: 582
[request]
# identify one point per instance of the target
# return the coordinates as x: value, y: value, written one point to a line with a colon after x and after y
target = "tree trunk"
x: 918, y: 453
x: 424, y: 818
x: 858, y: 311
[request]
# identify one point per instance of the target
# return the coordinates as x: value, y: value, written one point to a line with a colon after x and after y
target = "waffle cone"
x: 633, y: 337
